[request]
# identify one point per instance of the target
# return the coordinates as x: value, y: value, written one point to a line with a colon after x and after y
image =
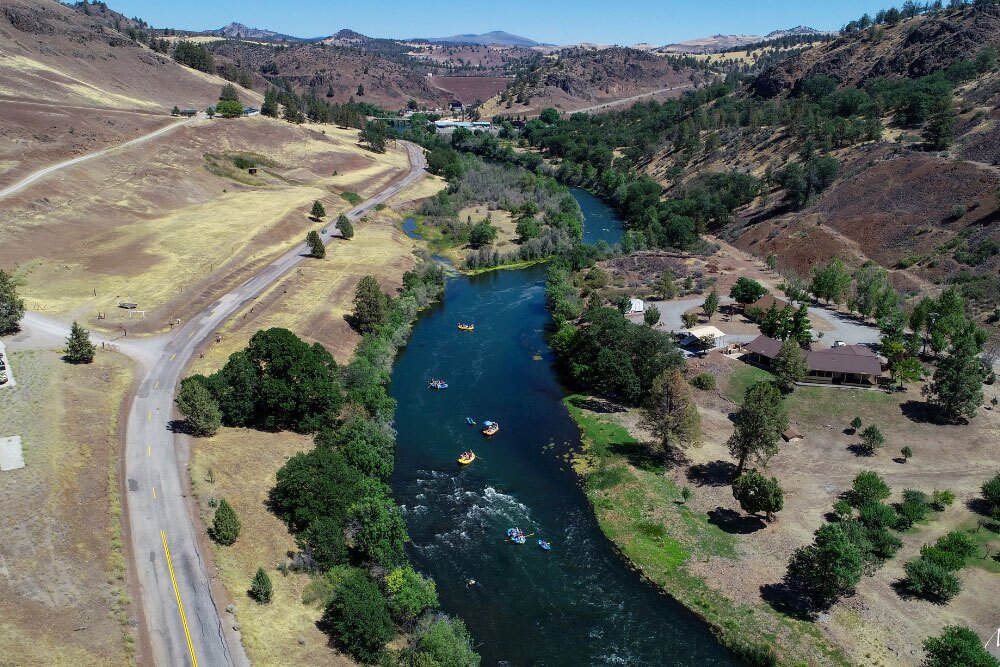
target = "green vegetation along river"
x: 578, y: 604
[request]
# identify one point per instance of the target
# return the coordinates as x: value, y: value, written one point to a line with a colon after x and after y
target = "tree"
x: 771, y: 261
x: 957, y: 389
x: 746, y: 291
x: 799, y: 328
x: 906, y: 369
x: 411, y: 105
x: 831, y: 281
x: 229, y: 109
x: 759, y: 425
x: 345, y: 227
x: 260, y: 588
x: 210, y: 112
x: 828, y: 568
x: 380, y: 531
x: 856, y: 424
x: 482, y: 233
x: 871, y: 439
x: 229, y: 94
x: 549, y: 116
x: 690, y: 320
x: 868, y: 487
x: 957, y: 646
x: 317, y: 210
x: 358, y: 617
x: 671, y: 413
x: 202, y: 411
x: 940, y: 129
x: 370, y: 305
x: 907, y: 453
x: 79, y: 349
x: 11, y: 306
x: 316, y: 245
x: 991, y: 491
x: 445, y: 641
x: 409, y: 593
x: 651, y: 316
x: 789, y: 365
x: 270, y: 106
x: 931, y: 581
x: 225, y: 524
x: 361, y: 90
x: 757, y: 493
x: 176, y: 111
x: 375, y: 133
x: 711, y: 305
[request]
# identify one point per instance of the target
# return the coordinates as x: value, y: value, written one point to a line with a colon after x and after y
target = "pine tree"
x: 316, y: 245
x: 789, y: 365
x: 957, y: 389
x: 229, y: 94
x: 79, y: 349
x: 225, y: 525
x: 671, y: 413
x: 11, y: 306
x: 202, y: 411
x: 759, y: 425
x: 345, y: 227
x: 370, y: 305
x: 318, y: 211
x: 260, y: 587
x: 711, y: 305
x: 270, y: 106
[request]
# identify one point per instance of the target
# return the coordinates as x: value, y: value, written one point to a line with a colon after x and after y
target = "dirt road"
x: 626, y: 100
x: 183, y: 622
x: 42, y: 173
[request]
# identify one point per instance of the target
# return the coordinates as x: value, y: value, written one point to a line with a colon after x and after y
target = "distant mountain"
x: 243, y: 32
x: 495, y: 38
x: 717, y: 43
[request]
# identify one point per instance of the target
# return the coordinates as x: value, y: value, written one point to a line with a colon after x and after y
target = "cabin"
x: 250, y: 111
x: 189, y: 113
x: 765, y: 302
x: 693, y: 337
x: 844, y: 365
x: 636, y: 306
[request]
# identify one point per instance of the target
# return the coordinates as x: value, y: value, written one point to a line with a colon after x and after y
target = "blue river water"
x: 578, y: 604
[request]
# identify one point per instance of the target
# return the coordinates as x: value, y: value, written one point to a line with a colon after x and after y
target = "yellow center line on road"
x: 154, y: 492
x: 173, y: 356
x: 149, y: 416
x: 177, y: 594
x: 157, y: 385
x: 149, y: 450
x: 190, y: 334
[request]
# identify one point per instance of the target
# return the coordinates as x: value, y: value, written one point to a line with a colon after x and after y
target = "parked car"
x: 3, y: 377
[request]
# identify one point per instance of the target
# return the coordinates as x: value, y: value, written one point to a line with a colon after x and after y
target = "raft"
x: 491, y: 428
x: 516, y: 535
x: 438, y: 384
x: 466, y: 458
x: 470, y: 420
x: 544, y: 545
x: 466, y: 327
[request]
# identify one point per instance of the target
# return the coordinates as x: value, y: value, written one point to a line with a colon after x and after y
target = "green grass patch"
x: 989, y: 545
x: 742, y: 378
x: 598, y: 433
x: 352, y: 198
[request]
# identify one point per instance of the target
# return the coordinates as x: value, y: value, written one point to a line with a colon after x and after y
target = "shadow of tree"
x: 735, y: 523
x: 860, y: 450
x: 640, y: 455
x: 980, y: 506
x: 598, y: 405
x: 179, y: 426
x: 716, y: 473
x: 786, y: 598
x: 922, y: 412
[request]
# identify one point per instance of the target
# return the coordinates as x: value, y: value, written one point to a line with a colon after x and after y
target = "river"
x: 578, y: 604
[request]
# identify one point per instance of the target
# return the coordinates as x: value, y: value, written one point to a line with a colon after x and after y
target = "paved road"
x: 184, y: 624
x: 42, y: 173
x: 626, y: 100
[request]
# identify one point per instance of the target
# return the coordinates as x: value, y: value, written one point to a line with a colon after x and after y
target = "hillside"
x: 579, y: 78
x: 90, y: 84
x: 719, y: 43
x: 494, y: 38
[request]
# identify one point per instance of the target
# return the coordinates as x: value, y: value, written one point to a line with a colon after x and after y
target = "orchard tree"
x: 871, y: 439
x: 789, y: 365
x: 757, y: 493
x: 316, y: 245
x: 260, y: 588
x: 711, y: 305
x: 202, y: 411
x: 991, y: 492
x: 957, y: 646
x: 671, y: 413
x: 828, y: 568
x: 318, y: 212
x: 651, y: 316
x: 371, y: 307
x: 869, y: 487
x: 759, y: 425
x: 345, y: 227
x: 11, y: 306
x: 79, y: 349
x: 225, y: 524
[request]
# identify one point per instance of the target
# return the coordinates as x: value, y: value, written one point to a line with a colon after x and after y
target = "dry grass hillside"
x: 70, y: 84
x: 169, y: 223
x: 580, y: 78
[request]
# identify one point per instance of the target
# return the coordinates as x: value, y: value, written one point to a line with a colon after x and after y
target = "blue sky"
x: 556, y: 21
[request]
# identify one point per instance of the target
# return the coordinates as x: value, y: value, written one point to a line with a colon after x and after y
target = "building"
x: 637, y: 306
x: 844, y: 365
x: 693, y: 337
x: 765, y: 302
x: 189, y: 113
x: 250, y: 111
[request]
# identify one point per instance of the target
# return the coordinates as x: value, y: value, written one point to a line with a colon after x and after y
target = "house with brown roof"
x: 765, y: 302
x: 843, y: 365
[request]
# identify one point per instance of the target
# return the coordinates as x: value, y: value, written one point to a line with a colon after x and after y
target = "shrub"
x: 941, y: 499
x: 957, y: 646
x: 871, y: 439
x: 409, y: 593
x: 856, y: 424
x: 358, y: 618
x: 703, y: 381
x: 874, y: 514
x: 868, y: 486
x: 260, y: 587
x: 843, y: 510
x: 202, y: 411
x: 225, y: 524
x: 930, y: 581
x: 446, y: 642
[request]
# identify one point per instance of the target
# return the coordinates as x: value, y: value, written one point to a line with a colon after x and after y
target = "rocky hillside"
x: 582, y: 78
x: 911, y: 48
x: 718, y: 43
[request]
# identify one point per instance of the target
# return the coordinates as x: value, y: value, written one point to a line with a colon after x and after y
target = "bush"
x: 913, y: 509
x: 446, y: 642
x: 409, y: 593
x: 358, y: 618
x: 871, y: 439
x: 229, y: 109
x: 930, y: 581
x: 941, y: 499
x: 843, y: 510
x: 202, y: 411
x: 877, y: 515
x: 868, y: 487
x: 225, y: 524
x: 703, y: 381
x: 260, y: 587
x: 957, y: 646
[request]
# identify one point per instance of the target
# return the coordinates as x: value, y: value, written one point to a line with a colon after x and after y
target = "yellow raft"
x: 467, y: 327
x: 466, y: 458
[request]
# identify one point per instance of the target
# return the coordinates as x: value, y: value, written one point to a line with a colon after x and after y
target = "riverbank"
x: 646, y: 516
